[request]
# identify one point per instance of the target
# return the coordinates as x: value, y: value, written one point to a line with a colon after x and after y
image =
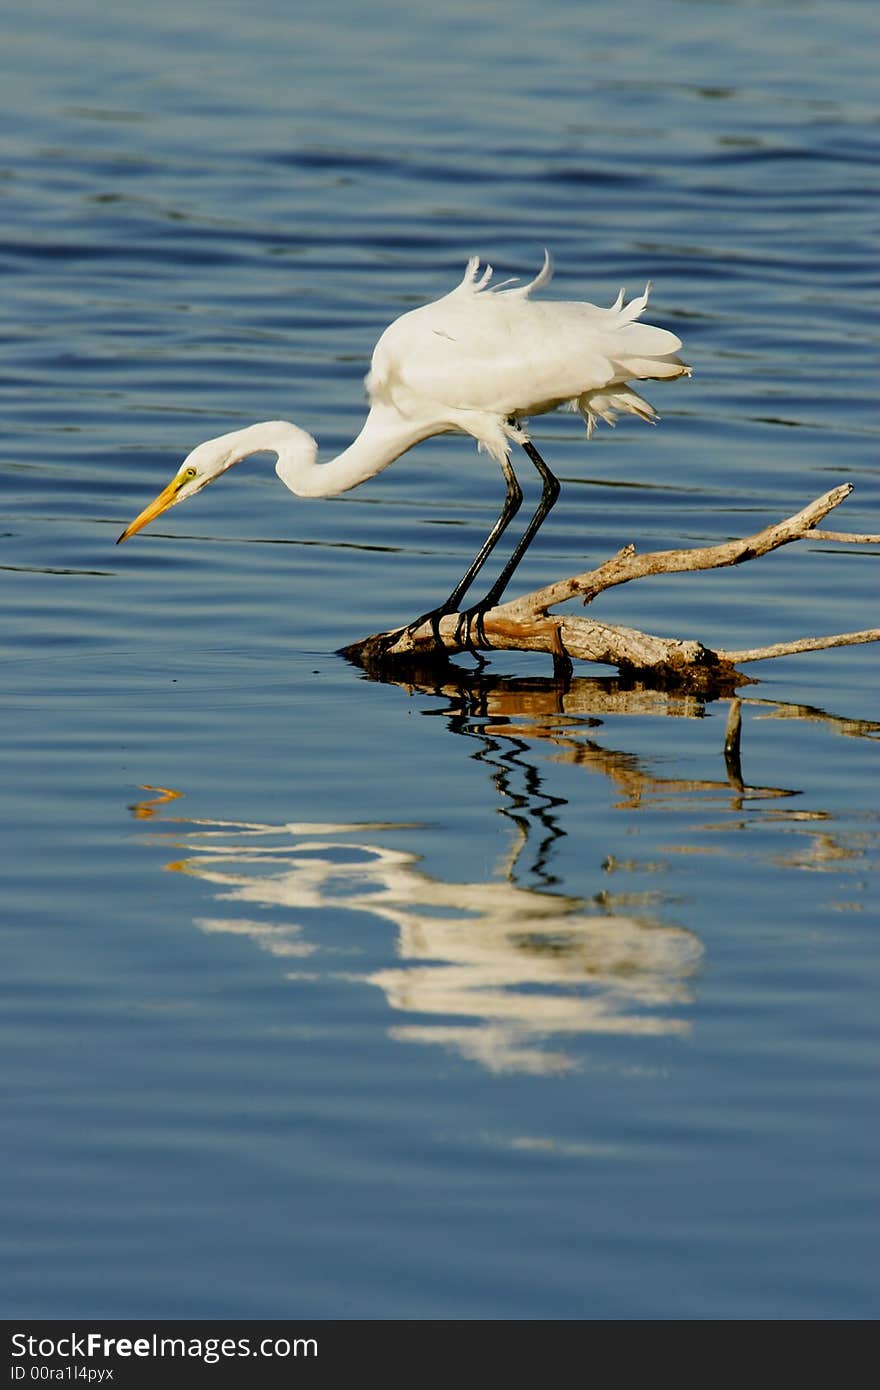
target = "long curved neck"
x: 384, y: 437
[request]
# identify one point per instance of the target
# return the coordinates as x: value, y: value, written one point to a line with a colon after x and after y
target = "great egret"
x: 479, y: 361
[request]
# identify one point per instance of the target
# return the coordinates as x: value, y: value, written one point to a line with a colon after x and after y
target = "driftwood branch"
x: 527, y: 624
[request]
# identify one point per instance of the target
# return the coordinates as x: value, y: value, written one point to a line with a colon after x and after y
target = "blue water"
x: 325, y: 997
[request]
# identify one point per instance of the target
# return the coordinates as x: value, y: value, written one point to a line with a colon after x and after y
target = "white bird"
x: 479, y: 361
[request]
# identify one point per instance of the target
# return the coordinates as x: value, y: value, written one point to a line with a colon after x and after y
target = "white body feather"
x: 479, y: 357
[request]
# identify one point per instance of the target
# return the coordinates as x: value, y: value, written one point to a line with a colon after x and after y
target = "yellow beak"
x: 167, y: 497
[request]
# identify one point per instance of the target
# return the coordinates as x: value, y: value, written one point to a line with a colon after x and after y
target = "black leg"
x: 512, y: 503
x: 549, y: 494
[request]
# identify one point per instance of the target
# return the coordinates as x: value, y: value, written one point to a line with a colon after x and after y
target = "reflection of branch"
x: 525, y: 623
x: 530, y: 709
x: 850, y: 728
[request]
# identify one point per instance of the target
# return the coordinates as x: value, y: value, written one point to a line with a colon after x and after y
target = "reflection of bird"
x: 475, y: 362
x: 485, y: 967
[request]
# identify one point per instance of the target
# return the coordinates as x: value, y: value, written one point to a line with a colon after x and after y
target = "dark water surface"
x: 325, y: 997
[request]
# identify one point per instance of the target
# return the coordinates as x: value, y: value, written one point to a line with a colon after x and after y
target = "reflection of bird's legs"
x: 511, y: 506
x: 471, y: 620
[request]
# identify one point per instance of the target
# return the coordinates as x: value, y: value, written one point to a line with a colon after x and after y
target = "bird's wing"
x: 499, y: 353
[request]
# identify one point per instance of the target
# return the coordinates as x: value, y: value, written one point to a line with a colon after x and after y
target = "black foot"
x: 469, y: 629
x: 433, y: 618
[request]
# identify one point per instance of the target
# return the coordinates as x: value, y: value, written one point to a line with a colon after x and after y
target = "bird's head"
x: 206, y: 462
x: 296, y: 466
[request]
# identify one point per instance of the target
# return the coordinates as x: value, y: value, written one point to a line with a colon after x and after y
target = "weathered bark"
x: 526, y: 623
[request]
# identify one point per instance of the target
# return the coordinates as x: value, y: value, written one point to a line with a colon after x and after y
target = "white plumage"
x: 479, y: 361
x: 482, y: 355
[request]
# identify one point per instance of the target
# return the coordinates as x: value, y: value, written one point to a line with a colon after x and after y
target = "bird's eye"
x: 189, y: 474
